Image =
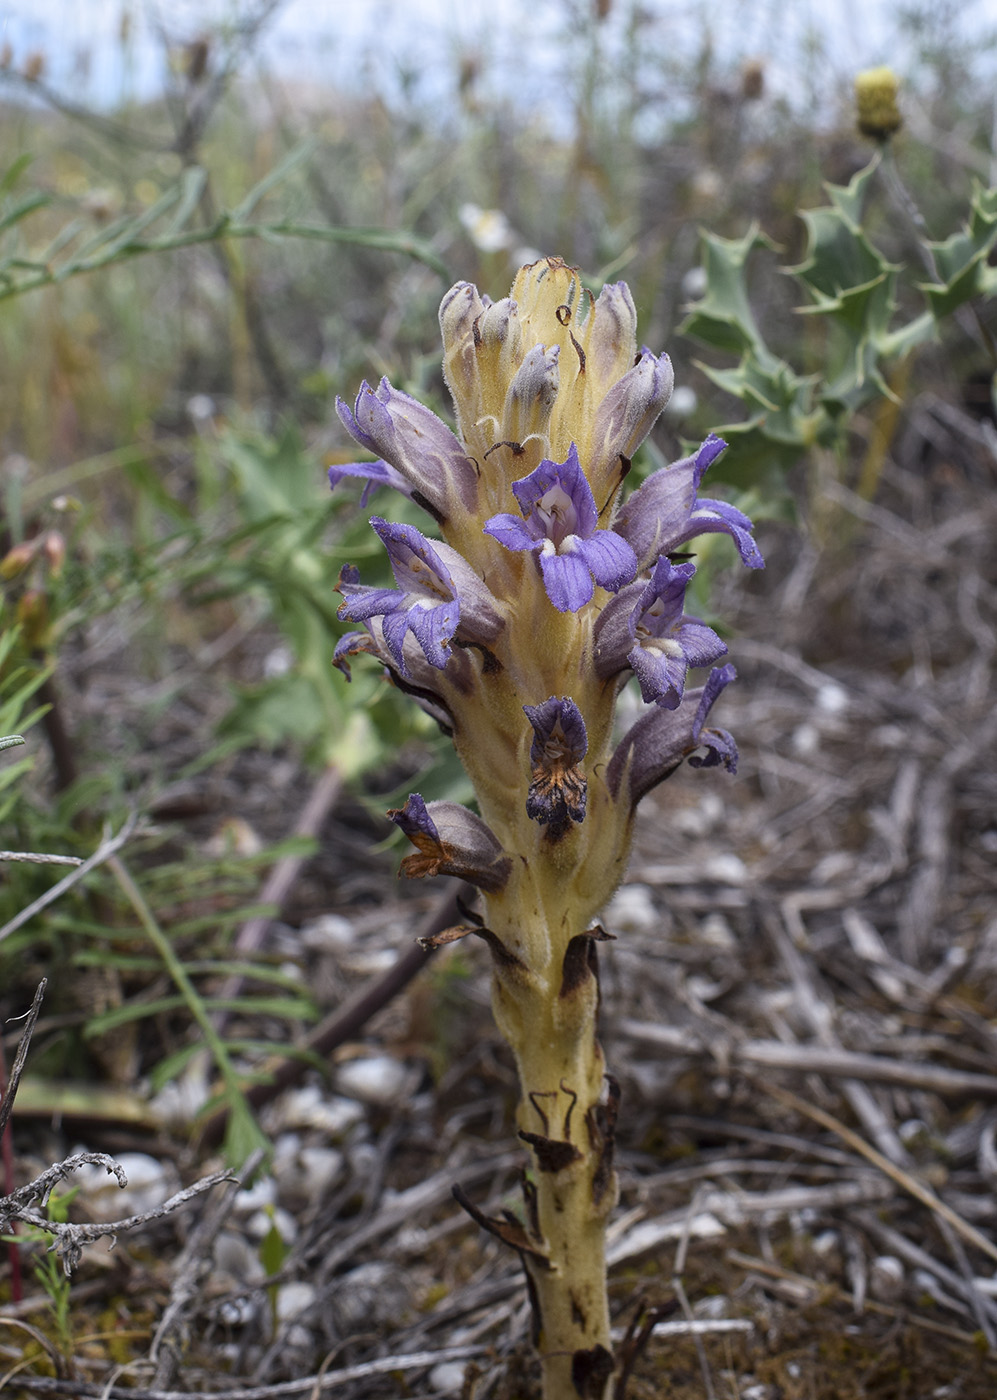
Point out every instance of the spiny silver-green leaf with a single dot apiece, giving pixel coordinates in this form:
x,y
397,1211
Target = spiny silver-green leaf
x,y
961,260
723,318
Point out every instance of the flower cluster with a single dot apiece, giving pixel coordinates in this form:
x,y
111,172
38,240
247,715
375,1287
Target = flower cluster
x,y
546,592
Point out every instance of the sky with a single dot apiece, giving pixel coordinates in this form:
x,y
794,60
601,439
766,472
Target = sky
x,y
384,44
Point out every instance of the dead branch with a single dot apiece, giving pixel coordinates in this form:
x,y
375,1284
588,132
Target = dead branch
x,y
69,1238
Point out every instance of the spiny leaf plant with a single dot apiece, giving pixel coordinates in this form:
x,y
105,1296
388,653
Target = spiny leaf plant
x,y
853,287
517,630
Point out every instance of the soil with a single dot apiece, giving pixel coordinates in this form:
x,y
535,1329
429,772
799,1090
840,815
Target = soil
x,y
801,1007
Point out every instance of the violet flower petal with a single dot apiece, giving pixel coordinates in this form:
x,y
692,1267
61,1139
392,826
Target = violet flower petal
x,y
352,644
433,629
668,643
609,558
560,524
426,601
373,474
558,497
664,513
513,532
654,747
567,580
558,786
451,840
423,450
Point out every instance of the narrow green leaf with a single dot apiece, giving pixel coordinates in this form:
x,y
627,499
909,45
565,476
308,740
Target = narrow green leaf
x,y
23,208
131,1011
192,184
14,172
300,153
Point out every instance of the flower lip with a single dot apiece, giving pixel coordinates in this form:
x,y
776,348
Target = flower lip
x,y
654,747
451,840
559,525
665,513
667,642
372,474
557,792
425,601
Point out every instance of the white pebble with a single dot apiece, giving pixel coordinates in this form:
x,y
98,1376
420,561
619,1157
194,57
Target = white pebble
x,y
329,933
716,932
727,868
832,699
258,1226
294,1298
148,1187
235,1256
178,1103
683,402
695,282
447,1378
380,1080
886,1278
237,1312
805,740
304,1172
826,1242
261,1194
632,910
712,1307
312,1107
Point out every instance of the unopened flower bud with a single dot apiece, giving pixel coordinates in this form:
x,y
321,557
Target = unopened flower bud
x,y
54,547
16,560
33,617
876,100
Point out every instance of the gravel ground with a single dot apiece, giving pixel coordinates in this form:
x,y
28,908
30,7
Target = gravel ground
x,y
801,1007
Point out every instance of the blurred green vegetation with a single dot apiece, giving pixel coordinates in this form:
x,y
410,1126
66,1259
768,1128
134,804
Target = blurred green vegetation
x,y
185,288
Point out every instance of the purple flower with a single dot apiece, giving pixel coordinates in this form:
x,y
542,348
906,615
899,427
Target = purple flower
x,y
665,513
352,643
425,601
415,446
373,475
451,840
559,525
719,745
654,747
667,642
557,786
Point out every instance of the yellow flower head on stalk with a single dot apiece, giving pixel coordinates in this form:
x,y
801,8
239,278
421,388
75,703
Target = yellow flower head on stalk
x,y
548,366
546,593
876,92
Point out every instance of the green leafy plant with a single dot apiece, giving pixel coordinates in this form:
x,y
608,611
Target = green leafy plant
x,y
853,288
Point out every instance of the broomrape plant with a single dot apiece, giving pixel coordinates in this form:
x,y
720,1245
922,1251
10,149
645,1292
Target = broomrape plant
x,y
517,630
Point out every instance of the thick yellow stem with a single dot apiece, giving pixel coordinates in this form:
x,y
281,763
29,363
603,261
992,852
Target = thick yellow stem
x,y
566,1117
